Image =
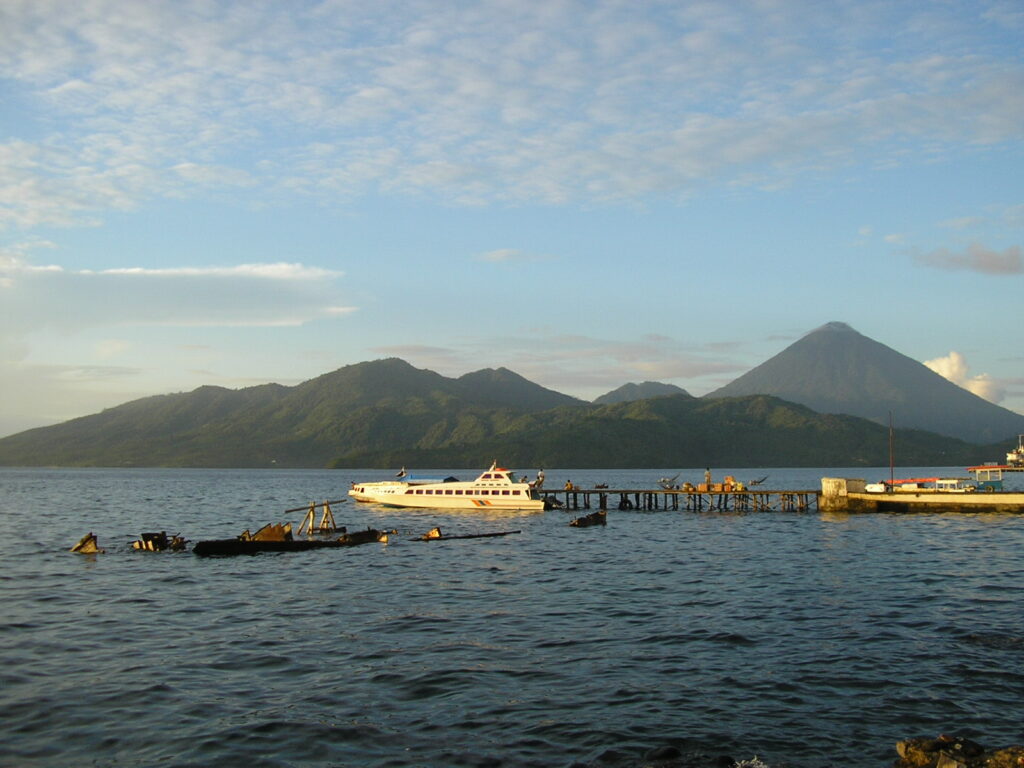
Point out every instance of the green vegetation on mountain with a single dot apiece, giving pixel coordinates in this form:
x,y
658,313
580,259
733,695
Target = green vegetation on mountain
x,y
675,431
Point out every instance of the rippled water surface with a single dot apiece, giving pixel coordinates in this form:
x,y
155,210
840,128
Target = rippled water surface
x,y
807,639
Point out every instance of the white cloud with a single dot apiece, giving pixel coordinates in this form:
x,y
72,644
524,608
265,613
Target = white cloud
x,y
340,311
962,222
111,348
976,258
499,255
496,101
508,256
1007,13
954,368
276,271
244,295
213,175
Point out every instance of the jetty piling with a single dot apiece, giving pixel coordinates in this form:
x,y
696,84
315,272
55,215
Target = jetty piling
x,y
697,500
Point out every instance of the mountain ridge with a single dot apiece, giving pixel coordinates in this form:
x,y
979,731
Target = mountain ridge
x,y
374,403
389,411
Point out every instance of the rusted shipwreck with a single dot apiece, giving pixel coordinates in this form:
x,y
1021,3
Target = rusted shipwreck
x,y
600,517
278,538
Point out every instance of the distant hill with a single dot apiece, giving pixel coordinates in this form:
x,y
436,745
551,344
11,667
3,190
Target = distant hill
x,y
369,405
834,369
629,393
502,388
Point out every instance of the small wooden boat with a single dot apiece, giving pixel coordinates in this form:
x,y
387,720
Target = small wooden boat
x,y
594,518
434,534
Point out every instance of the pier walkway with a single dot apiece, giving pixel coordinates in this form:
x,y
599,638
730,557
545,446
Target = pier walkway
x,y
687,501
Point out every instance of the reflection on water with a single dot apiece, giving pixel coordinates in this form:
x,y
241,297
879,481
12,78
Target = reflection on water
x,y
805,638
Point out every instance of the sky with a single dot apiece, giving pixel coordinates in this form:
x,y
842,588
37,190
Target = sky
x,y
207,192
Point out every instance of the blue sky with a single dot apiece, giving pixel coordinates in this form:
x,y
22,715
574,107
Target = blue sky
x,y
587,193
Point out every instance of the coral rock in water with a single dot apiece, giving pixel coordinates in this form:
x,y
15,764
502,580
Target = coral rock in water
x,y
955,752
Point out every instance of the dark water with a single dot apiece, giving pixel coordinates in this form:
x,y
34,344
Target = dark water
x,y
803,638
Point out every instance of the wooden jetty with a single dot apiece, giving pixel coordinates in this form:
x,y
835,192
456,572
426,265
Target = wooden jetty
x,y
717,499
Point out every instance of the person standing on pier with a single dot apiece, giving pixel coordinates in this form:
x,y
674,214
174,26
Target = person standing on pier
x,y
707,477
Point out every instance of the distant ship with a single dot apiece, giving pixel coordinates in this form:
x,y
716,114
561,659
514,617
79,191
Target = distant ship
x,y
1014,462
1015,458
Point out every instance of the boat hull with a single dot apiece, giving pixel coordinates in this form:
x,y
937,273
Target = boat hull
x,y
410,501
238,546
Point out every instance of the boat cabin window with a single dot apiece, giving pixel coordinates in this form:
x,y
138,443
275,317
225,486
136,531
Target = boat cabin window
x,y
487,476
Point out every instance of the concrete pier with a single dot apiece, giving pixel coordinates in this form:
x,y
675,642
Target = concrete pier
x,y
840,494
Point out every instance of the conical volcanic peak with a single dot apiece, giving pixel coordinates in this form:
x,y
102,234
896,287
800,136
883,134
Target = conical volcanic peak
x,y
835,369
835,325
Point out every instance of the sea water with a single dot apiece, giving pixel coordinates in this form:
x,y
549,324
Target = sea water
x,y
806,638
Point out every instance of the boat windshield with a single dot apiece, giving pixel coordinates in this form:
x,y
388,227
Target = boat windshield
x,y
423,480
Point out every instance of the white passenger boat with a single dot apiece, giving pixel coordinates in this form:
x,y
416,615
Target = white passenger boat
x,y
496,488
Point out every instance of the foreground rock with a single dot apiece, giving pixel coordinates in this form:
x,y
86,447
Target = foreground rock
x,y
955,752
672,757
